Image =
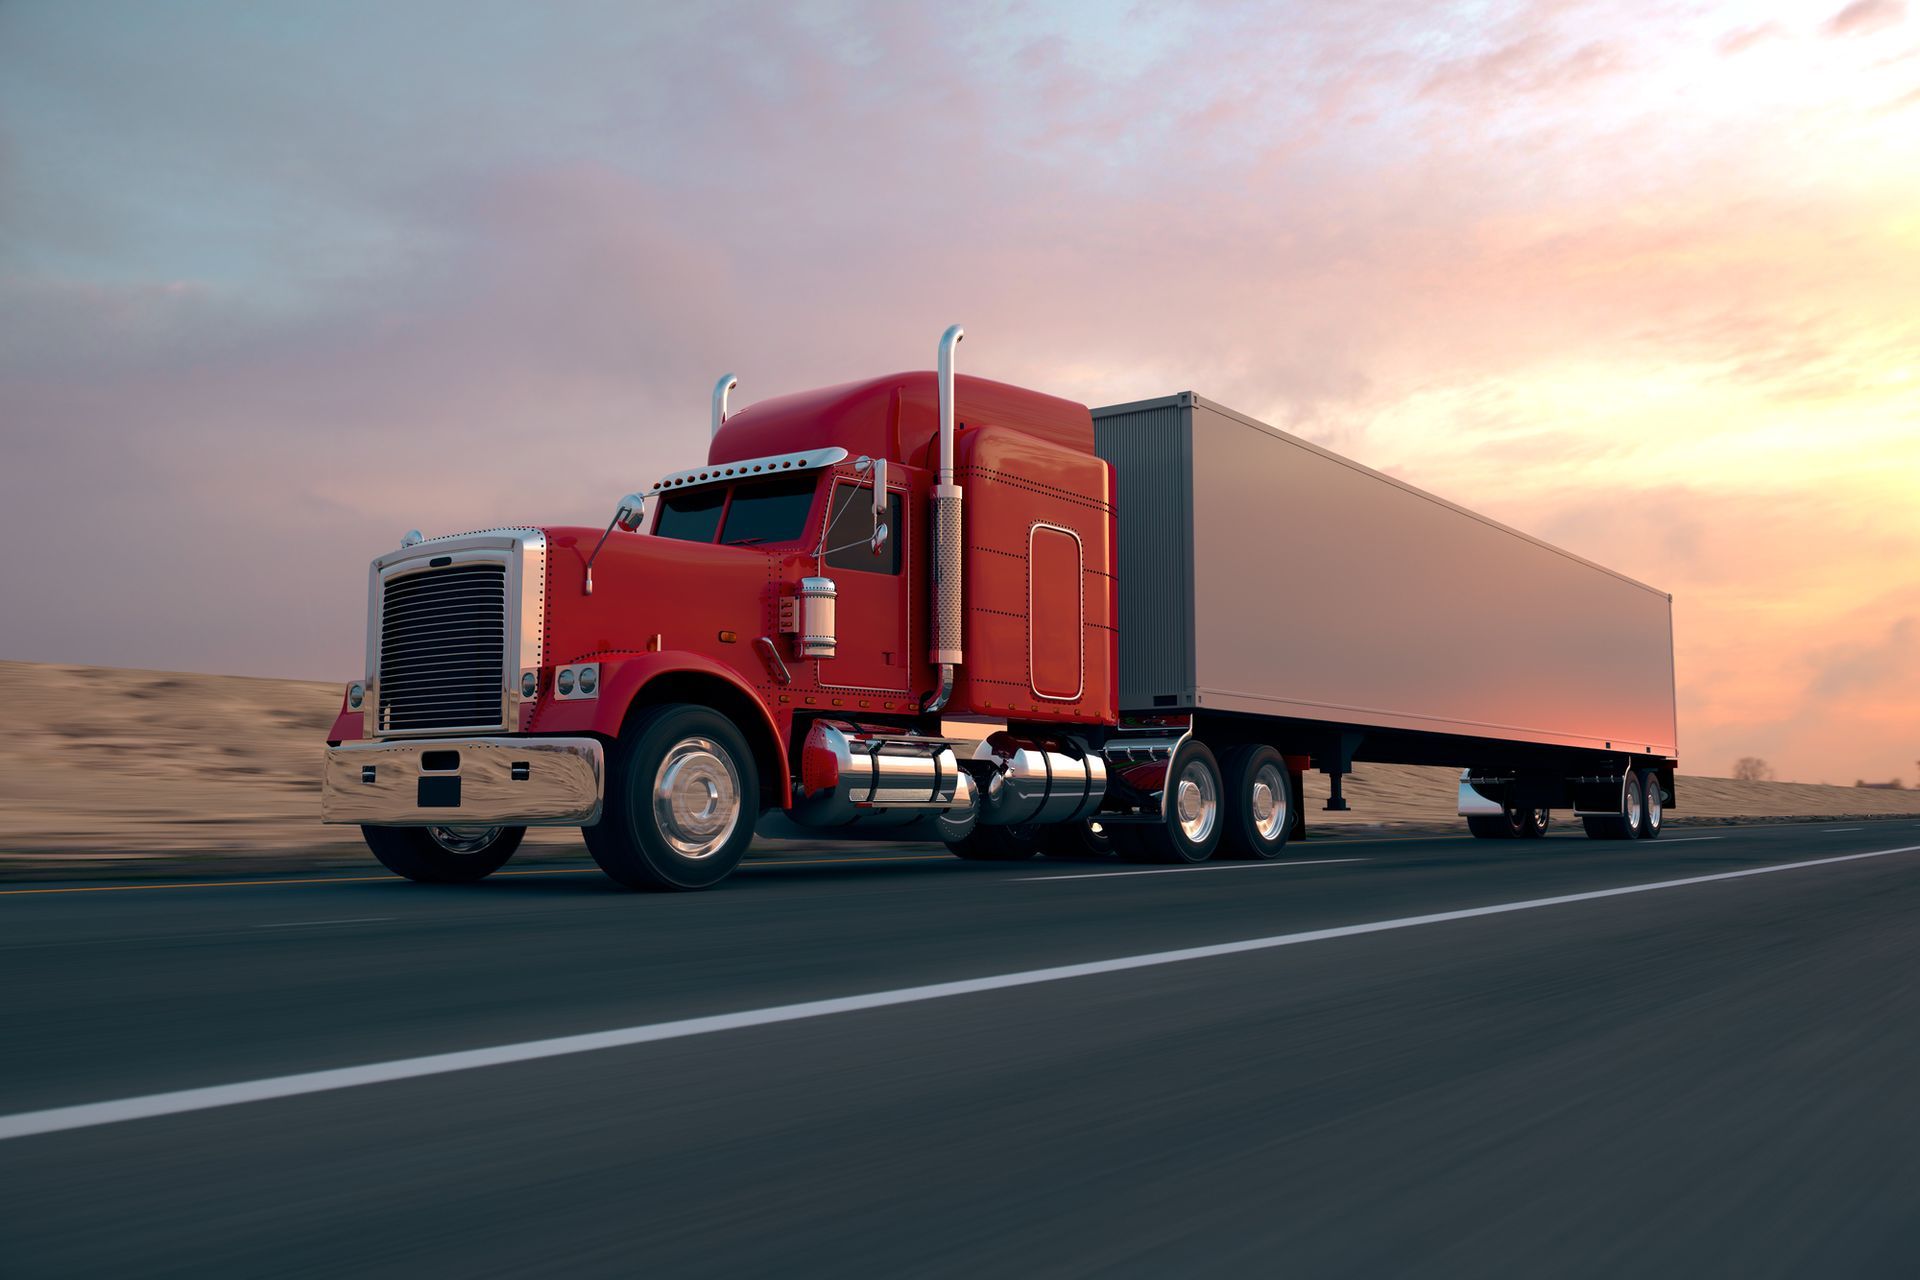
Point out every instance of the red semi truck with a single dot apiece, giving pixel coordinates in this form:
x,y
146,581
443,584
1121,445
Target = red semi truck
x,y
1146,622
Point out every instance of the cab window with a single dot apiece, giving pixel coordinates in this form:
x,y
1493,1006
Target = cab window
x,y
690,515
850,521
769,511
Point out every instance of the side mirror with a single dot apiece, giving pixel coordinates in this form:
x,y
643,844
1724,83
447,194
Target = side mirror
x,y
879,539
631,511
879,491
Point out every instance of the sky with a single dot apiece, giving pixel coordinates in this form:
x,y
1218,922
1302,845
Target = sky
x,y
279,282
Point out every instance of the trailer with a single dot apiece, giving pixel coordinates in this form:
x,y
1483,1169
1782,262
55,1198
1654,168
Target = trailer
x,y
1271,585
927,606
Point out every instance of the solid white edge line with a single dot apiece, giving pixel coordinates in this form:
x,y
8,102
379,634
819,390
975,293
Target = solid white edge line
x,y
1834,831
89,1115
1168,871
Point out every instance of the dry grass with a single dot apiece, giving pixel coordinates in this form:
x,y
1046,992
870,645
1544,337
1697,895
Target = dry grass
x,y
146,770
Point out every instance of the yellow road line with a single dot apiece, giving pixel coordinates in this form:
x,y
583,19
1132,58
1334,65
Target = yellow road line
x,y
553,871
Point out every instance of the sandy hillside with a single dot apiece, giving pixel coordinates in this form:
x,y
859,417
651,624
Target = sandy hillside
x,y
105,767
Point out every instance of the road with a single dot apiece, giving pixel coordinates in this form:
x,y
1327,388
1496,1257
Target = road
x,y
1716,1076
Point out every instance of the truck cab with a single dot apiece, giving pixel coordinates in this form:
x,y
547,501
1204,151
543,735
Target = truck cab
x,y
775,637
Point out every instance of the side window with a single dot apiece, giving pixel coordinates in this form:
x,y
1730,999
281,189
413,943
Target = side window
x,y
769,511
691,515
847,545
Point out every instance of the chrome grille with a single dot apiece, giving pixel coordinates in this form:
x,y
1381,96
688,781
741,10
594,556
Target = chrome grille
x,y
443,649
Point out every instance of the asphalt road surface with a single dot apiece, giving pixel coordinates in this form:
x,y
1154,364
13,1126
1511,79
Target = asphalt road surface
x,y
1344,1064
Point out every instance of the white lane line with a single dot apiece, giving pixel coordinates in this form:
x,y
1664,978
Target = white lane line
x,y
1689,840
308,924
88,1115
1169,871
1834,831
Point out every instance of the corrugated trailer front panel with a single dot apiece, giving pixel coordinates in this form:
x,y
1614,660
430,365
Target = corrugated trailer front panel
x,y
1149,448
1323,590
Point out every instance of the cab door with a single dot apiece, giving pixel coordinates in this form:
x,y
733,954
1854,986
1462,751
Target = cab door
x,y
872,612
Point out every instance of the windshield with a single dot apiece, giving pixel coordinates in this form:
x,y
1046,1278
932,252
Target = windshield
x,y
691,515
768,511
762,511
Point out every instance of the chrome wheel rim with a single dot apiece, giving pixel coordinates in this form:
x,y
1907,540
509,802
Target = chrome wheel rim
x,y
696,797
1653,806
464,840
1269,802
1196,802
1633,805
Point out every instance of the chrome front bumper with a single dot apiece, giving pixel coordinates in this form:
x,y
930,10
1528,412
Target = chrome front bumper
x,y
514,782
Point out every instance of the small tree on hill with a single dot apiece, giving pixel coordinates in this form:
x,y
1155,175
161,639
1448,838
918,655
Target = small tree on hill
x,y
1752,769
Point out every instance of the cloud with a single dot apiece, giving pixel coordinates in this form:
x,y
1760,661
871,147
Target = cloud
x,y
1545,266
1742,39
1863,17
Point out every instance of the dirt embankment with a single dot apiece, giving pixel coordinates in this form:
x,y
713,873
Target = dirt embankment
x,y
144,771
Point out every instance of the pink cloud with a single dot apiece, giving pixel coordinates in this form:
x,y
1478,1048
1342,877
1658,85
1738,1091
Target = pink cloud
x,y
1864,17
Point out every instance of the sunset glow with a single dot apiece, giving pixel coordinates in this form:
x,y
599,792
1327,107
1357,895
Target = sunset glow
x,y
282,282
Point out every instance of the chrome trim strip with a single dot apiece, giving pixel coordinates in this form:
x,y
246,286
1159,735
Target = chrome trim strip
x,y
806,460
563,783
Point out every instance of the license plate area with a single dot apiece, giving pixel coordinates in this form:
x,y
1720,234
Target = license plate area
x,y
441,792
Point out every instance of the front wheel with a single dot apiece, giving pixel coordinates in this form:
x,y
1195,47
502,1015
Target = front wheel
x,y
682,796
443,855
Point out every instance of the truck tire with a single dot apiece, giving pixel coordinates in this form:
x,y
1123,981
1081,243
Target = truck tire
x,y
1626,824
1653,809
443,855
1077,841
682,798
1014,843
1258,807
1195,818
1494,826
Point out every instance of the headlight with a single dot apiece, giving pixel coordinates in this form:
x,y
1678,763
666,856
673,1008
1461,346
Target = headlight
x,y
356,694
529,685
578,681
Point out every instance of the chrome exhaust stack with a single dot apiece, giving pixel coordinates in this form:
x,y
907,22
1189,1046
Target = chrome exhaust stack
x,y
727,383
947,546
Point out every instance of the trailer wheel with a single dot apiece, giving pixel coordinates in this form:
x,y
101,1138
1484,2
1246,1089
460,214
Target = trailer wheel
x,y
682,797
1626,824
1191,827
1014,843
1494,826
1259,803
1653,806
443,855
1077,841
